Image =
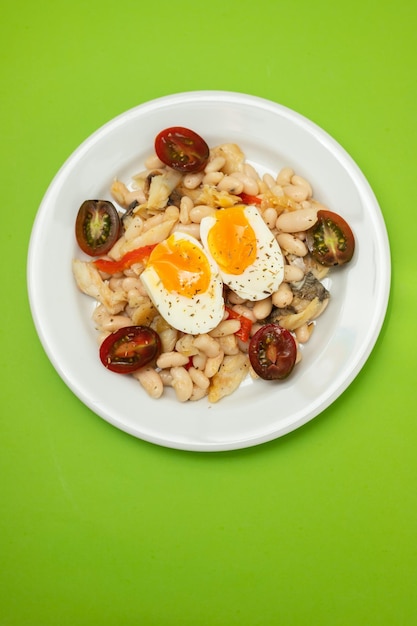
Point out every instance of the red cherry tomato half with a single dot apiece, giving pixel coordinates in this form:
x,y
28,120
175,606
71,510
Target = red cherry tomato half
x,y
97,227
128,349
272,352
182,149
330,240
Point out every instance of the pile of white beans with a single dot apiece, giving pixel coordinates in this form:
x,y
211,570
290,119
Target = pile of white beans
x,y
219,358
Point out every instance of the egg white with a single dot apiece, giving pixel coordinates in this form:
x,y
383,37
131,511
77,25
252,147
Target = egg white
x,y
265,274
200,313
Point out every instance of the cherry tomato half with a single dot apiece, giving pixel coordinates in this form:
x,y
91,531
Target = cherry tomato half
x,y
272,352
97,227
182,149
330,240
130,348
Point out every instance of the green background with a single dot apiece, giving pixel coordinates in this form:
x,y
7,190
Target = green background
x,y
315,528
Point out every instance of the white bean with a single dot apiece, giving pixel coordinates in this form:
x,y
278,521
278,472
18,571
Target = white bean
x,y
251,171
199,211
268,180
227,327
150,381
186,204
182,383
172,212
213,363
107,322
115,322
171,359
244,310
207,344
302,182
262,308
270,217
303,333
215,164
291,245
116,283
230,184
296,221
135,298
212,178
293,274
190,229
250,186
168,338
199,361
298,193
185,345
285,175
192,181
283,296
278,191
199,378
131,282
166,377
198,393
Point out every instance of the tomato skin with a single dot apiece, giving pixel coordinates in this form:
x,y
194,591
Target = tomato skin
x,y
97,227
182,149
128,349
272,352
130,258
331,240
250,200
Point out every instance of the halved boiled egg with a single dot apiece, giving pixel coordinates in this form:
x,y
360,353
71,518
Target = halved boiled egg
x,y
246,252
184,284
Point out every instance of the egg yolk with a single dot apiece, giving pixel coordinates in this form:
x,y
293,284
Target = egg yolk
x,y
232,240
181,266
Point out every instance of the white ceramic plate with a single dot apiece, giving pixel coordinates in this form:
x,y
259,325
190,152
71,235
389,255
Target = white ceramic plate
x,y
271,136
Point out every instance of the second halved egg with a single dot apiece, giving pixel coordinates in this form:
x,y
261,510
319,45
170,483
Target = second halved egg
x,y
246,252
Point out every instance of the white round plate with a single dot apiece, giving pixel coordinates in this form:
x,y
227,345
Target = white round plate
x,y
272,136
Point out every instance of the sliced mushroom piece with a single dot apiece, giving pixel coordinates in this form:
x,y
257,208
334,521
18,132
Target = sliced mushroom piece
x,y
311,288
314,308
310,299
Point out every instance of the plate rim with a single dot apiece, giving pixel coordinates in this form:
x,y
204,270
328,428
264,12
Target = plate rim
x,y
189,97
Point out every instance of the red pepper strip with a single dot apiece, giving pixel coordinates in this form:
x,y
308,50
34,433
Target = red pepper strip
x,y
245,324
248,199
127,260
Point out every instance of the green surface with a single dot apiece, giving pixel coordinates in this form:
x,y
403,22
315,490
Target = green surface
x,y
316,528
